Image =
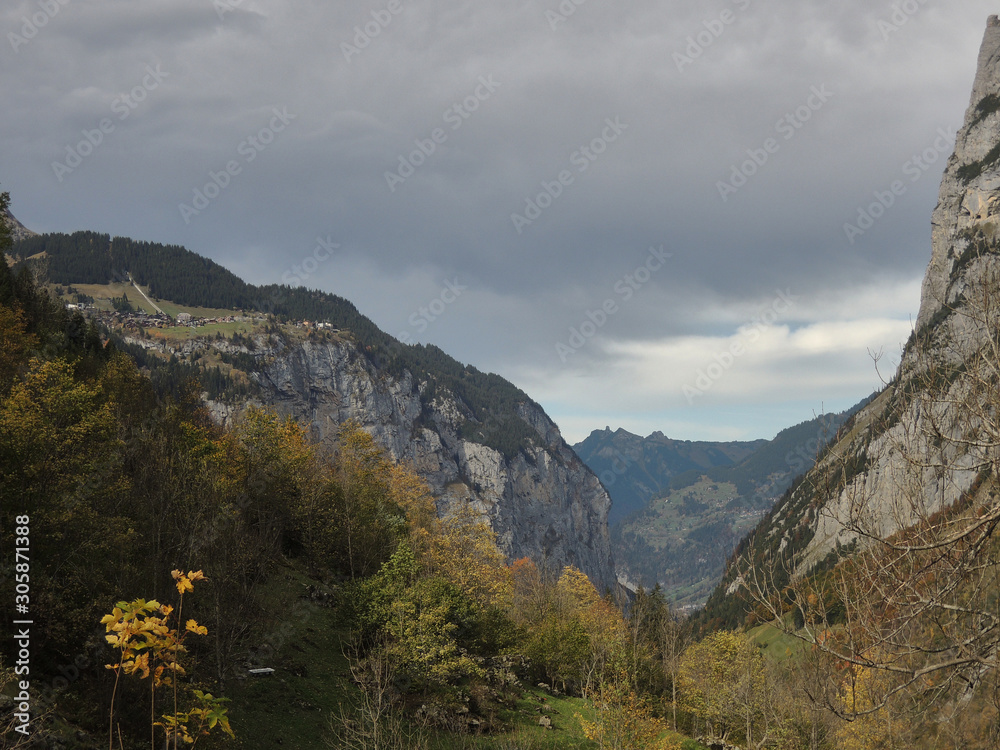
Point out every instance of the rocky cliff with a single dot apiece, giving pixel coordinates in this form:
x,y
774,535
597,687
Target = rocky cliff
x,y
476,437
930,438
17,230
543,502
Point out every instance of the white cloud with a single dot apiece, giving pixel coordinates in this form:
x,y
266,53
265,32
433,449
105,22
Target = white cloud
x,y
698,380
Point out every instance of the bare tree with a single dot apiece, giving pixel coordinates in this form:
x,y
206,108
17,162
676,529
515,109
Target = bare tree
x,y
375,720
909,500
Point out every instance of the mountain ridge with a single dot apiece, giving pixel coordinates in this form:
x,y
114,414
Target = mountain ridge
x,y
477,438
680,535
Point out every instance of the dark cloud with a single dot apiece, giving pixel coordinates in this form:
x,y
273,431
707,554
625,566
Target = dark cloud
x,y
370,84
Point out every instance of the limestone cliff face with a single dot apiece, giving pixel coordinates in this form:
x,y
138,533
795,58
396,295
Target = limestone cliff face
x,y
966,200
917,447
543,503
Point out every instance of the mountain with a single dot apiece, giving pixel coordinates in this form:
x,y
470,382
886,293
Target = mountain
x,y
687,505
475,437
915,470
17,230
635,470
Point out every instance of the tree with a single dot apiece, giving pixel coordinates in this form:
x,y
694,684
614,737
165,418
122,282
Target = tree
x,y
624,720
723,682
370,522
6,240
16,345
150,648
465,552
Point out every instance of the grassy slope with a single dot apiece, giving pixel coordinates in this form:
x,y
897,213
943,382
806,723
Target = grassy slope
x,y
102,294
778,645
293,707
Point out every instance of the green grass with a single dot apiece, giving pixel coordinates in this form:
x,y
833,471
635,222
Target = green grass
x,y
777,645
184,333
102,294
292,707
173,310
525,732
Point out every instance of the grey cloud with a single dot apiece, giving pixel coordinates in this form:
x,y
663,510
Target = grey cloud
x,y
656,184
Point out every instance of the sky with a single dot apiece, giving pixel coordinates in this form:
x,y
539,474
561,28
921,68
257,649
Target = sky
x,y
709,219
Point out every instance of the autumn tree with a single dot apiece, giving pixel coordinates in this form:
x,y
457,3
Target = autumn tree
x,y
58,446
723,682
370,522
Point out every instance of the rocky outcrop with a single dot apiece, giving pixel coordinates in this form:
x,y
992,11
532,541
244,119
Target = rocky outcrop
x,y
543,503
923,443
17,230
966,199
911,452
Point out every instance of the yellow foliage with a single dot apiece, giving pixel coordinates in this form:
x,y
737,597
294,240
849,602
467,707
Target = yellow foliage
x,y
465,552
141,633
602,621
873,728
722,679
185,582
624,721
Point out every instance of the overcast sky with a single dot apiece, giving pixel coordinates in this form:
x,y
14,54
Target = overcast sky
x,y
494,177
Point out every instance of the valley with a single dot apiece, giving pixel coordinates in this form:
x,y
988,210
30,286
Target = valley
x,y
242,515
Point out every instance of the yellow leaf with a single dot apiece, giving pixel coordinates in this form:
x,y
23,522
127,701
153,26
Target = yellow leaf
x,y
194,627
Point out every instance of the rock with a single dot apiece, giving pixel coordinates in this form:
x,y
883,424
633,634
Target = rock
x,y
544,503
899,423
17,230
545,722
974,141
